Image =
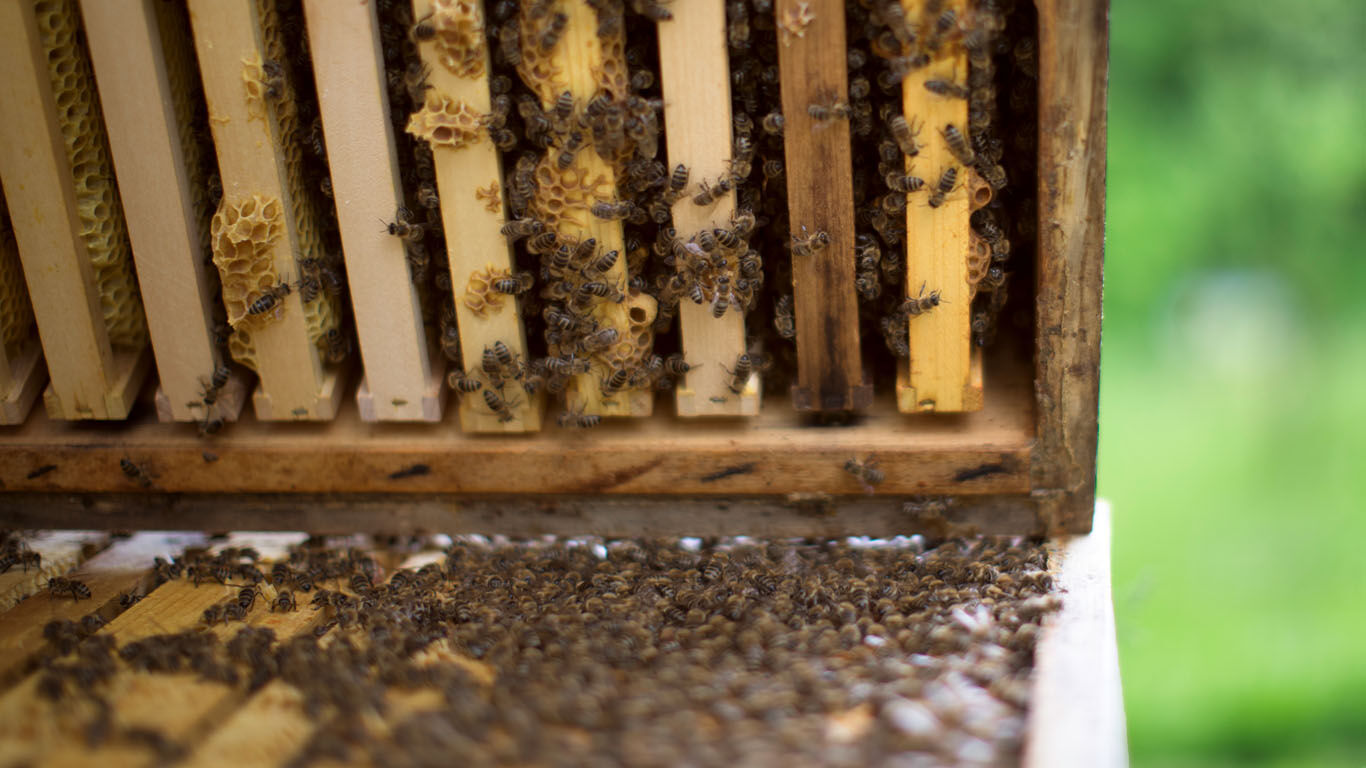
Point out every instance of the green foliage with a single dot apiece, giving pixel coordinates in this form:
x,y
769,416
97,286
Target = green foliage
x,y
1233,410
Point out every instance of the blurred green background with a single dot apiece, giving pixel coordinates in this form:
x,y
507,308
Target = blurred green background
x,y
1233,387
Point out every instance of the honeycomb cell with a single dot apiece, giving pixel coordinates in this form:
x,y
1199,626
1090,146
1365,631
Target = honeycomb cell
x,y
103,230
564,197
460,45
444,122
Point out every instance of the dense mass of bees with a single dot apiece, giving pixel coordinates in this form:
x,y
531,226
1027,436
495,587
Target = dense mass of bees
x,y
569,287
592,652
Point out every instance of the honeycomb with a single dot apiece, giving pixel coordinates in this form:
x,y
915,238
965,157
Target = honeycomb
x,y
564,197
444,122
323,314
254,83
16,312
979,261
479,294
490,197
243,233
459,27
97,199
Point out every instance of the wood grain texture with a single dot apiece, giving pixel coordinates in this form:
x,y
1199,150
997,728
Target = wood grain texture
x,y
1076,705
694,73
812,514
22,377
348,68
1073,65
776,453
937,239
293,383
820,196
144,140
474,240
123,567
89,380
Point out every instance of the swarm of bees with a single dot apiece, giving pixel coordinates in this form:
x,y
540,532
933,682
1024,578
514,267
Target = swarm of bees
x,y
633,641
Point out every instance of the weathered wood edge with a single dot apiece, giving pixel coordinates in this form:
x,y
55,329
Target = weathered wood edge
x,y
807,515
1073,63
1076,715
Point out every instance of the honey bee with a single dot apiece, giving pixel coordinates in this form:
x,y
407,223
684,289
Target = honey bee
x,y
212,615
450,342
422,31
427,196
415,80
866,471
707,194
463,384
600,290
739,375
904,134
553,31
514,285
942,24
499,406
824,113
613,383
958,145
919,305
545,242
994,175
76,590
613,210
720,303
338,346
519,228
403,227
806,246
567,151
570,365
272,298
135,473
217,380
564,107
772,123
676,366
899,182
868,285
598,340
651,9
603,264
947,181
947,88
274,79
578,419
783,320
284,601
677,181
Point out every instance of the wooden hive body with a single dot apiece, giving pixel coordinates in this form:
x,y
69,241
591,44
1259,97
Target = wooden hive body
x,y
1002,441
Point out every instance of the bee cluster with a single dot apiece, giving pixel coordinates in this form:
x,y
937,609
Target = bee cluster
x,y
585,651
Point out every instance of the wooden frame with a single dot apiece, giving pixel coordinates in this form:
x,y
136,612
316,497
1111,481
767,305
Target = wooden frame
x,y
1027,458
138,103
403,376
90,379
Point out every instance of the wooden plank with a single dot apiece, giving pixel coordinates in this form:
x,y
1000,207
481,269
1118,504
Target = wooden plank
x,y
21,380
269,728
820,194
158,203
1076,706
177,705
470,181
694,71
938,238
577,63
1073,67
348,66
60,551
798,514
775,453
90,379
294,385
123,567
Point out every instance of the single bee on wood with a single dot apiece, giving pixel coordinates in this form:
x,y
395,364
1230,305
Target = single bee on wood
x,y
919,305
135,473
739,375
72,588
284,601
499,406
948,88
805,246
462,383
901,182
217,380
947,181
904,134
958,145
866,471
612,210
519,228
403,227
824,113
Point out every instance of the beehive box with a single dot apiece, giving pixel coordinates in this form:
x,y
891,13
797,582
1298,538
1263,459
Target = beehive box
x,y
325,190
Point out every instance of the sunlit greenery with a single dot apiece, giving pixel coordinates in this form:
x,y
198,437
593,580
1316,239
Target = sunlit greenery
x,y
1233,392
